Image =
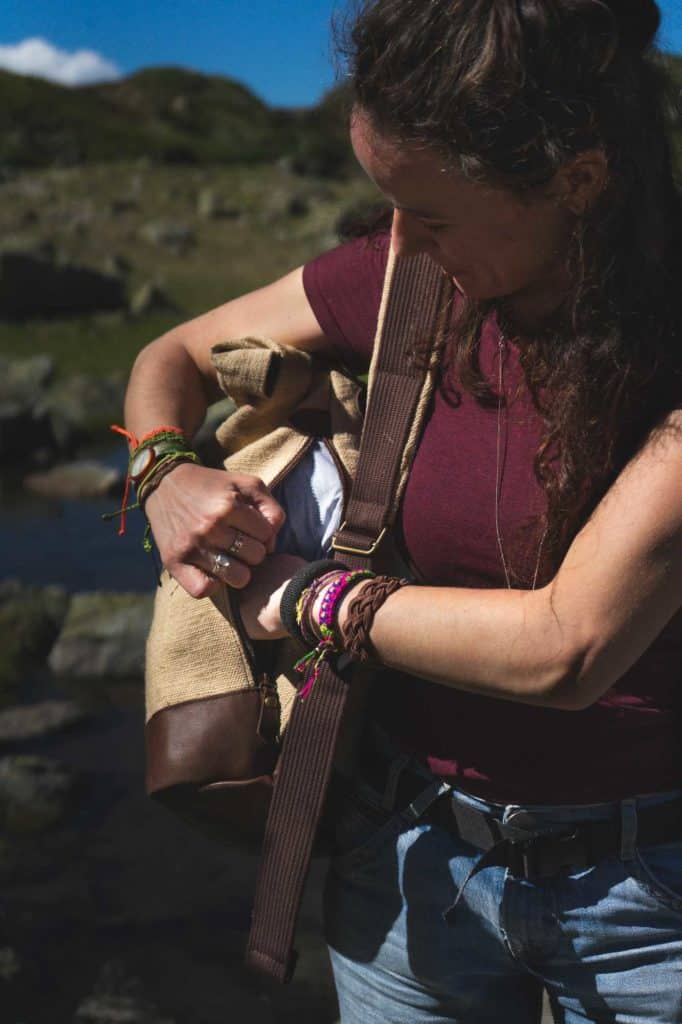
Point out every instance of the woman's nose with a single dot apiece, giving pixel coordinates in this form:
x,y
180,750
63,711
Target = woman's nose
x,y
408,236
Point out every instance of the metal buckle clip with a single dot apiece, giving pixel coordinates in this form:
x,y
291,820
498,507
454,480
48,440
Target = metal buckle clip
x,y
347,550
543,856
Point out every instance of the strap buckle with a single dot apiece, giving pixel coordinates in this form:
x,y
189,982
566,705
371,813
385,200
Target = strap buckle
x,y
543,856
346,549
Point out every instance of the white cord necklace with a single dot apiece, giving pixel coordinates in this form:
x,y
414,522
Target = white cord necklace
x,y
501,351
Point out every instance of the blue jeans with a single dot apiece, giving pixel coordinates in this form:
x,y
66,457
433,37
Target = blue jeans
x,y
606,942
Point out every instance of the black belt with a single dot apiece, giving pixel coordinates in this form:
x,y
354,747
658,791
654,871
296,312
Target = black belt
x,y
527,847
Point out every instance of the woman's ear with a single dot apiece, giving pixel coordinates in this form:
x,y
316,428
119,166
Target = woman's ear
x,y
579,183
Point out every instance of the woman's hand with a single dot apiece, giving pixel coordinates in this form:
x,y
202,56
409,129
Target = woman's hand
x,y
259,602
197,513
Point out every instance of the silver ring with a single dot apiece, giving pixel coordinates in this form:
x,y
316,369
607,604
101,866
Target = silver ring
x,y
220,561
237,544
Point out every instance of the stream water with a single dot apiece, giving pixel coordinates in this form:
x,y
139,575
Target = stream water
x,y
44,541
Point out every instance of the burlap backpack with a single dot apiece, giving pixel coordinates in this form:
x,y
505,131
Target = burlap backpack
x,y
228,744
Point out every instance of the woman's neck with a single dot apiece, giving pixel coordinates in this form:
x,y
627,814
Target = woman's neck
x,y
531,308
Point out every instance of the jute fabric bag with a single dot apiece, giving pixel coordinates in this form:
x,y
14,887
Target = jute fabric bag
x,y
201,668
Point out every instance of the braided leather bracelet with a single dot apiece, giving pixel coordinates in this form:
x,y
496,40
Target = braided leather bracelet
x,y
361,612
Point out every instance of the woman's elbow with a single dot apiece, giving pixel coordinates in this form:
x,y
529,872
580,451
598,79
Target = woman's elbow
x,y
573,684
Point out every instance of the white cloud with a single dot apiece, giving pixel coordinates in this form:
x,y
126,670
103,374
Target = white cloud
x,y
39,57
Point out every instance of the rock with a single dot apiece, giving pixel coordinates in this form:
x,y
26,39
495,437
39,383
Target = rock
x,y
150,298
282,203
74,480
10,964
169,235
21,379
79,406
103,634
117,264
118,999
34,792
30,620
33,285
30,722
124,204
210,206
24,425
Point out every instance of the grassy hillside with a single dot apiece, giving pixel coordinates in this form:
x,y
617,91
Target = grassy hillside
x,y
166,115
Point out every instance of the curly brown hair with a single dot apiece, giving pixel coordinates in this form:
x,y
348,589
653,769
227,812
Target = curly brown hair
x,y
511,90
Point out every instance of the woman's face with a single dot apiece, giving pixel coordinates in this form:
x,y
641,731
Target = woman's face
x,y
491,242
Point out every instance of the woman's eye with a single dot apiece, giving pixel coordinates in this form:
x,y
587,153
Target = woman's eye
x,y
437,226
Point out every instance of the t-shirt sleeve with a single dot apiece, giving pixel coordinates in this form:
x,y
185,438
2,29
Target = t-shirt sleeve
x,y
344,287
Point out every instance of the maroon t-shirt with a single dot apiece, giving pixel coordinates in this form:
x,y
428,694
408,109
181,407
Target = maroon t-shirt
x,y
626,743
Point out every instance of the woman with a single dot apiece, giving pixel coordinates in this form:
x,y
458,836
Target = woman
x,y
535,673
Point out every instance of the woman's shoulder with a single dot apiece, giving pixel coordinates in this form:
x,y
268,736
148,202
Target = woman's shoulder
x,y
344,287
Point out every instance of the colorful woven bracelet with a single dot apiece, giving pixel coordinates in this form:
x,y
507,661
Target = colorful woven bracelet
x,y
324,627
303,579
171,446
160,470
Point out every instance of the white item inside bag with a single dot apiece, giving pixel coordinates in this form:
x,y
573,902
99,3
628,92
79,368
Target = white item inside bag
x,y
312,497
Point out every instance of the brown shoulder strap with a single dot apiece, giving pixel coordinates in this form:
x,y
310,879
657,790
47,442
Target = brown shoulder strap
x,y
415,305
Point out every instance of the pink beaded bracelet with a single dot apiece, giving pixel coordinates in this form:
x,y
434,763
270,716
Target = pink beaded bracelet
x,y
325,626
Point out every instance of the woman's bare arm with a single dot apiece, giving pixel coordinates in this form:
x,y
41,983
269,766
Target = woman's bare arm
x,y
195,511
564,645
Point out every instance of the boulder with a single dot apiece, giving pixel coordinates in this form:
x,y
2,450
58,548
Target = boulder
x,y
80,405
34,792
24,424
103,635
118,998
34,285
36,720
211,206
30,620
169,235
75,480
10,964
150,298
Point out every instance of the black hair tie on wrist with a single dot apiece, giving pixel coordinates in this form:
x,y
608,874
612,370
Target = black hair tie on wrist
x,y
297,584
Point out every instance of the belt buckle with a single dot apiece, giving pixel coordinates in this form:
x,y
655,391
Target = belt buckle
x,y
543,856
522,861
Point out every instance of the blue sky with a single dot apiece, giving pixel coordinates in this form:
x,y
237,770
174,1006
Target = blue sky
x,y
280,48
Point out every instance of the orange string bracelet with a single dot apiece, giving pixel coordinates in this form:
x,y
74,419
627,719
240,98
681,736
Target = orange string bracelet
x,y
134,445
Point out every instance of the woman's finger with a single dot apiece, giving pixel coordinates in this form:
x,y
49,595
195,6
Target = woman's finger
x,y
225,568
236,544
244,517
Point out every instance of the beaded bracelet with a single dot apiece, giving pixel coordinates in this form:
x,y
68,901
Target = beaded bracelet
x,y
296,586
325,626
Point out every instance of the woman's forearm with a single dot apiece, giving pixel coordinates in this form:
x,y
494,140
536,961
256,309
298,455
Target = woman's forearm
x,y
503,643
166,388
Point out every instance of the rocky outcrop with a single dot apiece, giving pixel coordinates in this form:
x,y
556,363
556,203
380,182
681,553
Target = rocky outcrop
x,y
34,792
150,298
169,235
35,285
118,998
41,418
30,620
24,422
34,721
104,635
75,480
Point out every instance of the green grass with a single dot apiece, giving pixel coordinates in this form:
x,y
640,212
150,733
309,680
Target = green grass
x,y
72,208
